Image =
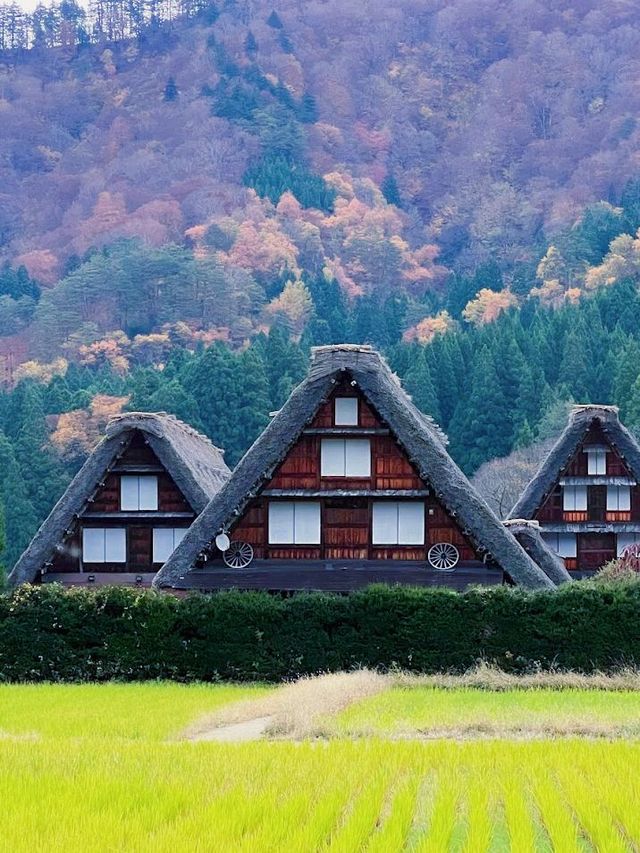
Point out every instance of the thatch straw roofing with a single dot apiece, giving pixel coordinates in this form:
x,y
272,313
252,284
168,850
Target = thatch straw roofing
x,y
420,437
581,419
195,464
528,534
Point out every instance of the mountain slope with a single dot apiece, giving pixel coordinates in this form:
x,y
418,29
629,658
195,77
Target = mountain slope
x,y
395,141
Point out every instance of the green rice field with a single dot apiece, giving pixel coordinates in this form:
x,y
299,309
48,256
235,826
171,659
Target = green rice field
x,y
428,711
102,768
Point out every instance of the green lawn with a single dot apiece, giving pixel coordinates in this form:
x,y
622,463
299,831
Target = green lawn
x,y
98,768
431,711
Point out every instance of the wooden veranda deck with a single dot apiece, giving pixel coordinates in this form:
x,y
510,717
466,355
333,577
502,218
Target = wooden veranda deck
x,y
336,575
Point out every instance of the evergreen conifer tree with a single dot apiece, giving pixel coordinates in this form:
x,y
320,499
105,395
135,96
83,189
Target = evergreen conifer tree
x,y
170,91
479,430
42,474
274,20
390,190
573,370
20,518
171,397
308,111
420,386
250,43
3,547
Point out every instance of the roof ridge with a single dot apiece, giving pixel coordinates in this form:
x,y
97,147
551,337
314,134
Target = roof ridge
x,y
121,420
578,408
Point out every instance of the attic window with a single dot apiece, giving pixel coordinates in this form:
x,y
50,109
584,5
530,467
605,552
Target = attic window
x,y
596,461
342,457
138,493
574,498
104,545
346,411
618,498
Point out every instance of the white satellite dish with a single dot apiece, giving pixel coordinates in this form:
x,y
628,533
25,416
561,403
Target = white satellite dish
x,y
222,542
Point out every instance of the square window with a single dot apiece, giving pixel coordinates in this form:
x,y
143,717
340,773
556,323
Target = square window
x,y
294,523
138,493
618,498
104,545
574,498
165,541
346,411
398,523
350,457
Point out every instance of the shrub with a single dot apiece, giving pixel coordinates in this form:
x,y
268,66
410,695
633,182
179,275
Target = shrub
x,y
47,633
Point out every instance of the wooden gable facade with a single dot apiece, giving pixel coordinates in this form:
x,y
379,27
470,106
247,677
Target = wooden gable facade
x,y
349,484
589,506
347,503
128,507
137,537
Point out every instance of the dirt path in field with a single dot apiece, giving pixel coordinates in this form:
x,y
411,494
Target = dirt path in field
x,y
237,732
292,711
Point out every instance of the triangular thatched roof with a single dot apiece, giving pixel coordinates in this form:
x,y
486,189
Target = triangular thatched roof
x,y
421,438
581,419
195,464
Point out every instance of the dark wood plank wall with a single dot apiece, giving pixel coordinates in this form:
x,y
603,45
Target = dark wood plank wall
x,y
552,509
137,457
390,468
346,522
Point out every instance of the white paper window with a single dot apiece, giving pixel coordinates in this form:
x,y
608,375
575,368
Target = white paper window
x,y
306,523
398,523
92,545
138,493
332,457
574,498
618,498
104,545
165,541
564,544
346,411
626,539
597,462
350,457
294,523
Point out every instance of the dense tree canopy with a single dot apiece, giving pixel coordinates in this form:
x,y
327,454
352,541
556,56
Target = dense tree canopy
x,y
493,388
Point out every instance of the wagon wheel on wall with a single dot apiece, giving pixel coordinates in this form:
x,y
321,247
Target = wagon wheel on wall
x,y
443,556
238,555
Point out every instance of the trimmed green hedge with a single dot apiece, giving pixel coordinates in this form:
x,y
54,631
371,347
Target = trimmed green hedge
x,y
47,633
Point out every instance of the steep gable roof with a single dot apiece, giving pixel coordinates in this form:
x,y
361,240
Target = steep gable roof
x,y
581,419
195,464
421,438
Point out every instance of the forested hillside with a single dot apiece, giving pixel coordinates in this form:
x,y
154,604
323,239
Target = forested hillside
x,y
429,150
191,195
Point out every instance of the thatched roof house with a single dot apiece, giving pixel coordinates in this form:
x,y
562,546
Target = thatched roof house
x,y
581,420
363,373
585,494
190,468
